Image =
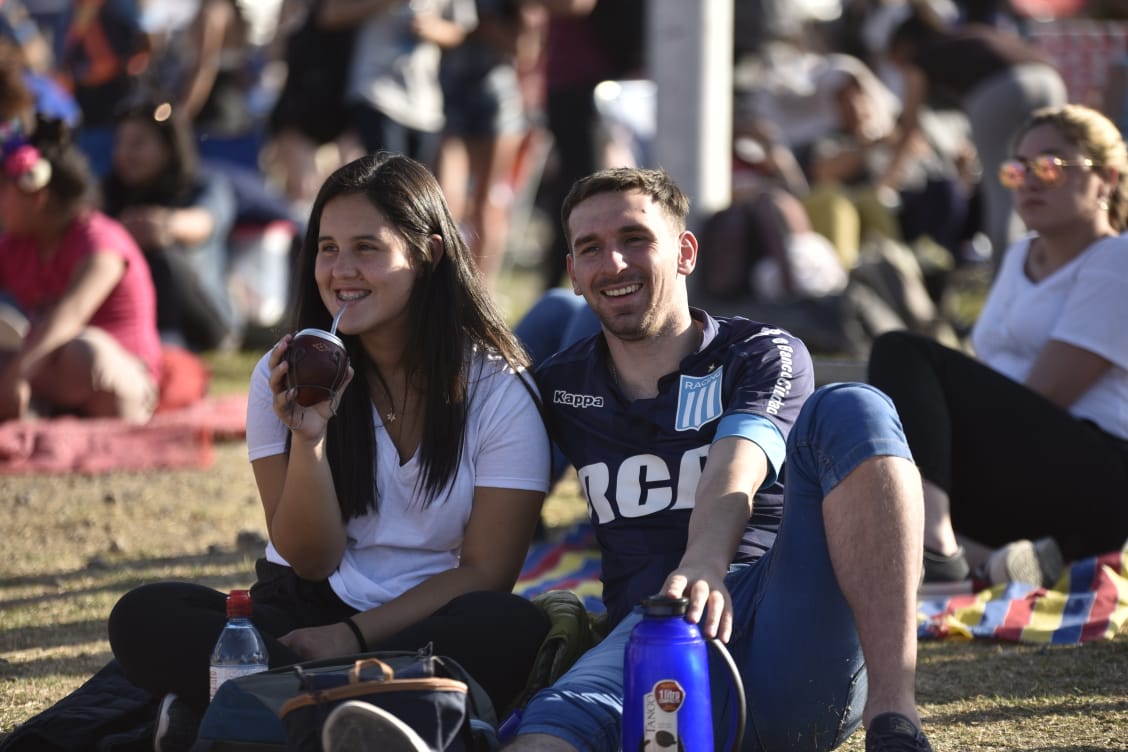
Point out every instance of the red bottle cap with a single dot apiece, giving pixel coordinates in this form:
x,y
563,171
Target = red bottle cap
x,y
239,604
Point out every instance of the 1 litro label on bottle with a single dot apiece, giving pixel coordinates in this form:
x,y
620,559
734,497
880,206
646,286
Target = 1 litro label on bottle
x,y
220,674
660,716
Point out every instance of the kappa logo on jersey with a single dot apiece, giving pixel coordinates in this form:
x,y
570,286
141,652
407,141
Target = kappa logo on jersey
x,y
699,400
561,397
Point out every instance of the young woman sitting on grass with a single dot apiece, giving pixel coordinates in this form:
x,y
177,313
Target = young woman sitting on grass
x,y
401,507
1024,448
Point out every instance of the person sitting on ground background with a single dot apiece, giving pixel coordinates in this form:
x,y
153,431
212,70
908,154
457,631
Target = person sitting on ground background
x,y
1028,441
181,216
846,204
685,428
79,319
770,251
400,508
994,76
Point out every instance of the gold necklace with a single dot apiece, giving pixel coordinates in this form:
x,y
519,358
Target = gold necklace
x,y
390,416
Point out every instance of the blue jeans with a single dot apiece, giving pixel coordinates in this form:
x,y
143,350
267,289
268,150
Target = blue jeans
x,y
378,132
794,639
560,318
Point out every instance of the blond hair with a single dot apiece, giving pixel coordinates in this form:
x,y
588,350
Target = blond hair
x,y
1100,140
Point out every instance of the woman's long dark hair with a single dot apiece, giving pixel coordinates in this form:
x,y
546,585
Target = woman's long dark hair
x,y
449,312
72,186
175,185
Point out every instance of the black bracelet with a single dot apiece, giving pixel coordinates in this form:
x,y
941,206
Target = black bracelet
x,y
359,635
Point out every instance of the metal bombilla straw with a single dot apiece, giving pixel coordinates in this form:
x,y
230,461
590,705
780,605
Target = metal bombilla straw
x,y
337,318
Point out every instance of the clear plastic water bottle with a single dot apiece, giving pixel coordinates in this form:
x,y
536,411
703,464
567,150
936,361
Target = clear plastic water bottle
x,y
239,650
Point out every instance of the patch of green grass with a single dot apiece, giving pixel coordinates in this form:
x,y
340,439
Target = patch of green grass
x,y
231,371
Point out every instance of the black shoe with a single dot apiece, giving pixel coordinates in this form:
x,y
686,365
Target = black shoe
x,y
177,726
940,568
893,732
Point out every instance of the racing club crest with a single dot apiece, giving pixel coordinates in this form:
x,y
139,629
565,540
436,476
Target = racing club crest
x,y
699,400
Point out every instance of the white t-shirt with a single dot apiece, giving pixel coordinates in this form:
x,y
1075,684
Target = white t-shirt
x,y
398,74
1084,304
405,542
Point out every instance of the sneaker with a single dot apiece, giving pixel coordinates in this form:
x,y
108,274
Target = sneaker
x,y
893,732
177,726
1038,563
356,726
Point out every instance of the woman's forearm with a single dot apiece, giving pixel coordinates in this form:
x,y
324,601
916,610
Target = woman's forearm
x,y
306,525
191,226
423,600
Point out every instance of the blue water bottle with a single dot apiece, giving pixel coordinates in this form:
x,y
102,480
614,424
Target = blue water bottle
x,y
667,702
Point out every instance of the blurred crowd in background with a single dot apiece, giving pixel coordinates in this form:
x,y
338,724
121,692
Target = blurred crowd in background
x,y
864,169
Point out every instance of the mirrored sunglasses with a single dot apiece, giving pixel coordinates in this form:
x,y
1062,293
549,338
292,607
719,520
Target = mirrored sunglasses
x,y
1048,169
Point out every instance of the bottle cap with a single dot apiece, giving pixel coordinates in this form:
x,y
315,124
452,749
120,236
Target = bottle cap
x,y
661,605
239,604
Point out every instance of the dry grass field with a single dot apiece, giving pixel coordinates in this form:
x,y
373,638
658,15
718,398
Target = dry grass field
x,y
72,545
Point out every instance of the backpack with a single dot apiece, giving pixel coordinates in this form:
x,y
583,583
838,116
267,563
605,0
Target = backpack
x,y
283,709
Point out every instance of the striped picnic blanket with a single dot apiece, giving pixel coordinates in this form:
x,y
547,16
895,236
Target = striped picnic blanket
x,y
568,563
1089,602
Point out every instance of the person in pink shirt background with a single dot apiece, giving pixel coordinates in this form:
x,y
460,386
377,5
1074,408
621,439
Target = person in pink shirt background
x,y
78,329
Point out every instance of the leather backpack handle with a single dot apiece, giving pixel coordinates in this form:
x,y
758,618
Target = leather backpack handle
x,y
358,667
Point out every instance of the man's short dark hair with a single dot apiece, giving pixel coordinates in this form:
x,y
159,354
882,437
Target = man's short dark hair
x,y
657,184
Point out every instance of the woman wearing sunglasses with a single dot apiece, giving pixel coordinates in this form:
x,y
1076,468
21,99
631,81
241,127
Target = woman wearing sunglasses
x,y
1024,448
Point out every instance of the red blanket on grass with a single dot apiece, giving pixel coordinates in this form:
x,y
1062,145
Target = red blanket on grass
x,y
179,438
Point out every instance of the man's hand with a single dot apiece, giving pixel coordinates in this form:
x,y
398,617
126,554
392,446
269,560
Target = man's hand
x,y
736,467
710,605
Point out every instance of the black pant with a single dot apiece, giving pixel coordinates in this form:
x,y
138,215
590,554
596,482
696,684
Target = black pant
x,y
1014,464
163,633
573,121
183,306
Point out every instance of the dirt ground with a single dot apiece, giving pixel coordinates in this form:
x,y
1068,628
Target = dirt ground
x,y
79,521
72,545
67,522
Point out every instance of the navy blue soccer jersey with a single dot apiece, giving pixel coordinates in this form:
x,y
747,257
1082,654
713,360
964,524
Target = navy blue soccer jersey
x,y
639,462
